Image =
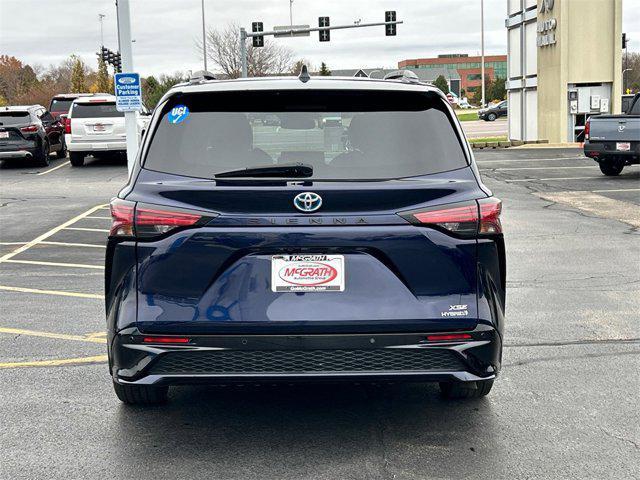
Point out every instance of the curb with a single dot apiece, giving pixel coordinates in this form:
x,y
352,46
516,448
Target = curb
x,y
521,144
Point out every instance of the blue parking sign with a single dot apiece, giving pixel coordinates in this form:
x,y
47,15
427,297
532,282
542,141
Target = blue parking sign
x,y
128,92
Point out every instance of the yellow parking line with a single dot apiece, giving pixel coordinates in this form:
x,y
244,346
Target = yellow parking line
x,y
52,292
91,338
54,168
56,363
67,244
56,264
82,229
46,235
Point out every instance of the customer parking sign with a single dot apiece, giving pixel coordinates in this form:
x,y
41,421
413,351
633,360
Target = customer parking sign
x,y
128,92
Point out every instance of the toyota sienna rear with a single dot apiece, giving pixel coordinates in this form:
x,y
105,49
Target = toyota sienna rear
x,y
350,240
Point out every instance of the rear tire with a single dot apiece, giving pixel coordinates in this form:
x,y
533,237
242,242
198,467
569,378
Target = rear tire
x,y
76,159
611,168
464,390
141,394
492,117
42,159
62,153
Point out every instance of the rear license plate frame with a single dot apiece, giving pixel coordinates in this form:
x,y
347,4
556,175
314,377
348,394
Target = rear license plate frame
x,y
307,273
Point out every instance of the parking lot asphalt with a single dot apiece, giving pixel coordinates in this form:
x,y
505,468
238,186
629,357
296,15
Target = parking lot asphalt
x,y
565,405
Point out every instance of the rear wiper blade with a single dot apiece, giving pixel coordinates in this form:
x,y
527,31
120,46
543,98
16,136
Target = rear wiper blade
x,y
292,170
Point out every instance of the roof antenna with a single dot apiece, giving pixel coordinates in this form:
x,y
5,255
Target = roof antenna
x,y
304,76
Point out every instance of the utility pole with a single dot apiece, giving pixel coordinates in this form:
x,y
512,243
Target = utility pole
x,y
100,18
296,31
124,42
482,48
204,38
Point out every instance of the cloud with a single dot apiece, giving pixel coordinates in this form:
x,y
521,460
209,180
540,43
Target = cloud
x,y
166,31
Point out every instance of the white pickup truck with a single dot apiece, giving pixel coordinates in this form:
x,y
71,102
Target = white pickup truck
x,y
94,126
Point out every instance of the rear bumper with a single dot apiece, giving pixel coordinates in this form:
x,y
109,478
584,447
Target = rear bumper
x,y
16,154
290,358
607,150
96,145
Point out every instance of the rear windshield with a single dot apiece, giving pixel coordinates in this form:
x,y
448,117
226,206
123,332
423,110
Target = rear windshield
x,y
342,135
14,118
60,105
95,110
635,110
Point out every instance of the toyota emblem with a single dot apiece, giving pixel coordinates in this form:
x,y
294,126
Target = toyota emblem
x,y
307,202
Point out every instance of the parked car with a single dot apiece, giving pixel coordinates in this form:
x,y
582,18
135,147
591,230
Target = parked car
x,y
489,114
95,126
464,104
614,140
30,132
61,103
627,101
242,254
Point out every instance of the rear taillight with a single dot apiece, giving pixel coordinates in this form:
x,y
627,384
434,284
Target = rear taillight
x,y
490,210
587,129
465,219
67,125
448,337
146,221
151,221
29,129
122,218
166,340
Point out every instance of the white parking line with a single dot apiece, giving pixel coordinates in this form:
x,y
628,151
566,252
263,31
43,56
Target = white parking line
x,y
56,264
82,229
617,190
54,168
61,293
535,168
480,162
101,218
547,179
67,244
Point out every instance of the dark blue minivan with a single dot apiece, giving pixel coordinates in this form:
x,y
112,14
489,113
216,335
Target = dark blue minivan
x,y
351,239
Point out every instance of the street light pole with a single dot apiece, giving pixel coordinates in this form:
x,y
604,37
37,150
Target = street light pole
x,y
482,48
204,38
100,17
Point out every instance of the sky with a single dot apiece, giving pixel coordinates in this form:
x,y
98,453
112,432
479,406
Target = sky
x,y
166,31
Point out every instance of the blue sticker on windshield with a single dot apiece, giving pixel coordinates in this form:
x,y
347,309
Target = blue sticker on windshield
x,y
178,114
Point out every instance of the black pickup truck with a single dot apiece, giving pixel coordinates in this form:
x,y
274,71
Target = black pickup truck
x,y
614,140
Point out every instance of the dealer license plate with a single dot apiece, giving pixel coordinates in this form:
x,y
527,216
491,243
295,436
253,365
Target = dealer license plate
x,y
307,273
623,146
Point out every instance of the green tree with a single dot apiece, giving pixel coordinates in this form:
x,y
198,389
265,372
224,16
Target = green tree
x,y
442,84
497,90
102,81
153,89
78,77
324,71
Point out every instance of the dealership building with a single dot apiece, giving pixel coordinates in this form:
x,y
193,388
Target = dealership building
x,y
468,69
564,65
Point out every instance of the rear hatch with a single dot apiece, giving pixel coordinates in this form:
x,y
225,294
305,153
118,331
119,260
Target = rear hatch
x,y
96,120
16,130
367,224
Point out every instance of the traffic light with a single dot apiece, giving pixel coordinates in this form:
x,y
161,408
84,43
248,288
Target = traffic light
x,y
390,16
624,41
325,35
104,53
117,62
258,41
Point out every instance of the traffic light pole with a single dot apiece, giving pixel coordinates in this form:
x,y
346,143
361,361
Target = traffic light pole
x,y
293,31
124,42
243,51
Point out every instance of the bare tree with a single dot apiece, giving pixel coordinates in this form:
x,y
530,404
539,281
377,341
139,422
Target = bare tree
x,y
223,49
